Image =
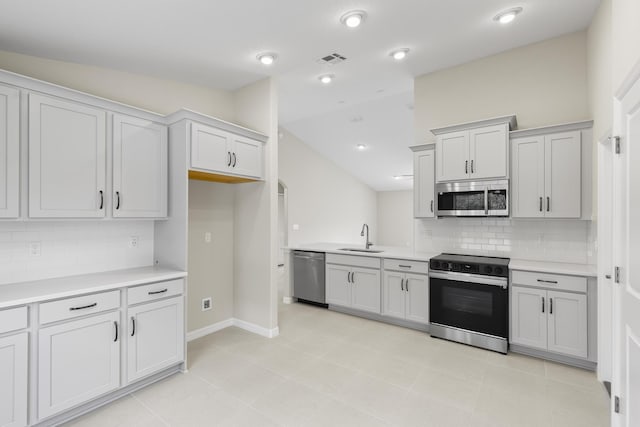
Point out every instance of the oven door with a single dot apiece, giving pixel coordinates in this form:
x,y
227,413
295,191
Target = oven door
x,y
467,302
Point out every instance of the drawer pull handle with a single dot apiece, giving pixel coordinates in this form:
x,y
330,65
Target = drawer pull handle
x,y
83,307
133,326
158,292
553,282
404,266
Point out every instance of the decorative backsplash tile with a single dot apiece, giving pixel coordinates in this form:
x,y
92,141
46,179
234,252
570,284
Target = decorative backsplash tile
x,y
34,250
541,240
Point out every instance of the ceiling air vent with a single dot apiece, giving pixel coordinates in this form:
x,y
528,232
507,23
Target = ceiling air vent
x,y
334,58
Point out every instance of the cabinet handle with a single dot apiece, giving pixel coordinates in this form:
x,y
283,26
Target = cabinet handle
x,y
234,160
540,204
101,200
471,166
432,206
353,277
466,166
402,284
548,203
133,326
115,326
550,305
158,292
406,285
229,158
83,307
348,277
117,200
543,304
553,282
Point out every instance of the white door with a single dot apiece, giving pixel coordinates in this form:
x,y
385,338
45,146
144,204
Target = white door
x,y
210,149
338,285
567,320
393,294
155,337
488,152
423,184
77,361
626,356
527,177
66,159
139,168
529,309
365,293
9,152
563,175
246,157
417,305
13,386
452,156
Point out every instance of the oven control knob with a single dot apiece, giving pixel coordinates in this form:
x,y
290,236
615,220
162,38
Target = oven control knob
x,y
498,270
488,269
435,264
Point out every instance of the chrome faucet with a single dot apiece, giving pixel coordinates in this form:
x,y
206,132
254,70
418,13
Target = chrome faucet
x,y
367,244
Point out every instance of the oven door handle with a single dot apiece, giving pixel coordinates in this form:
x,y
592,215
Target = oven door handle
x,y
470,278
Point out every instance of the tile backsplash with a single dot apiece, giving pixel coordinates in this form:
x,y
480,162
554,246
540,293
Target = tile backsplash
x,y
33,250
570,241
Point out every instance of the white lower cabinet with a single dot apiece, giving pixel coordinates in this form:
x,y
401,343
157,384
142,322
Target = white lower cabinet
x,y
353,286
77,361
13,380
365,289
406,296
549,320
155,338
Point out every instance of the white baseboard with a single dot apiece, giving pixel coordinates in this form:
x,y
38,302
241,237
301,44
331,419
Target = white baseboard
x,y
247,326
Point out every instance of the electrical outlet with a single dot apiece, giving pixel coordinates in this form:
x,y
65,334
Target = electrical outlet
x,y
207,304
207,237
35,248
134,241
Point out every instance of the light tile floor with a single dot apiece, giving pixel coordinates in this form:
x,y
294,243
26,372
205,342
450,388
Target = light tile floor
x,y
330,369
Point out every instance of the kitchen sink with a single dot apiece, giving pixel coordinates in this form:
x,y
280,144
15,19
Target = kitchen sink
x,y
371,251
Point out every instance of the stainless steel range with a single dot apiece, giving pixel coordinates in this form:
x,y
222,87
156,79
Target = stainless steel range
x,y
469,300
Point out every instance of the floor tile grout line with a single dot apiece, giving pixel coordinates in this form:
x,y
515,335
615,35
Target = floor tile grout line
x,y
154,413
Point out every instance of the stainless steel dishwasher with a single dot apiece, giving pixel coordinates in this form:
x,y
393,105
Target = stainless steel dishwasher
x,y
308,276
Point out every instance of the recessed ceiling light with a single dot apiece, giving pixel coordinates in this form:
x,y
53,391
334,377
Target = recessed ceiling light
x,y
326,78
353,18
361,147
267,58
399,54
508,15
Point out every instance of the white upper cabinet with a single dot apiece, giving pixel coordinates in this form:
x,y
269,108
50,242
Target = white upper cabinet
x,y
139,168
217,151
478,150
9,152
67,153
547,176
424,182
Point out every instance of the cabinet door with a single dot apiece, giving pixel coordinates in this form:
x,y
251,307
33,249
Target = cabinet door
x,y
210,148
527,177
9,152
529,317
66,159
246,157
77,361
156,337
423,184
13,387
417,305
563,175
393,294
488,152
139,168
452,156
568,323
365,289
338,285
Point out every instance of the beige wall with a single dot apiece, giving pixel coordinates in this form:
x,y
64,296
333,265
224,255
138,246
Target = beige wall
x,y
600,70
327,203
150,93
543,84
395,218
626,39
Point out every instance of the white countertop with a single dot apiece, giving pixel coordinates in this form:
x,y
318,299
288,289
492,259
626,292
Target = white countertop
x,y
587,270
387,251
61,287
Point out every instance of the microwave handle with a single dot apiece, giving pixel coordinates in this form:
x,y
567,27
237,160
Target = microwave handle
x,y
486,201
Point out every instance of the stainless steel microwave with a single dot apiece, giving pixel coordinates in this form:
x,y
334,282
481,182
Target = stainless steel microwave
x,y
473,198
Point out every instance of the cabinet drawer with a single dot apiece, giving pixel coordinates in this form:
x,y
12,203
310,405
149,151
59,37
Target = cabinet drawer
x,y
356,261
407,266
78,306
13,319
154,291
549,281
